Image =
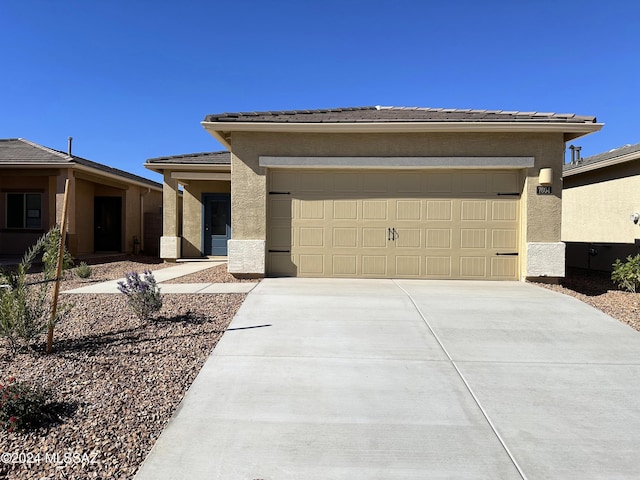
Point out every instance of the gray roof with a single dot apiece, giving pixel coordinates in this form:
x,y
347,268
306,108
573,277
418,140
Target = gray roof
x,y
602,157
217,158
19,150
397,114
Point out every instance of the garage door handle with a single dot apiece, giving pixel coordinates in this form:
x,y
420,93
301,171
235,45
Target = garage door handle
x,y
389,234
510,254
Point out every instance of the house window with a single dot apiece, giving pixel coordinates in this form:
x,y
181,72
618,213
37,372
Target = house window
x,y
24,210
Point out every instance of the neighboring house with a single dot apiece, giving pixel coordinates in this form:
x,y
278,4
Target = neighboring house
x,y
380,192
601,208
109,210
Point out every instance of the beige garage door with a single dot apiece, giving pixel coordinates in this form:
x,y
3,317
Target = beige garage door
x,y
390,224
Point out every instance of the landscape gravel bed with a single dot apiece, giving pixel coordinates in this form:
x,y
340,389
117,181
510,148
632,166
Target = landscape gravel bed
x,y
217,274
595,288
116,382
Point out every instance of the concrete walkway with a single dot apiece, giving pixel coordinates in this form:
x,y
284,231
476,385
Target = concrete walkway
x,y
165,275
399,379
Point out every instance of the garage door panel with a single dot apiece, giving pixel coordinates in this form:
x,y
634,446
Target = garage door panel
x,y
375,183
438,266
311,209
473,210
409,238
346,182
311,264
282,264
505,210
311,237
314,183
345,209
474,183
439,210
505,267
375,237
345,237
438,238
504,239
506,182
345,265
473,267
439,183
283,181
281,237
409,210
407,265
374,265
409,184
375,209
473,238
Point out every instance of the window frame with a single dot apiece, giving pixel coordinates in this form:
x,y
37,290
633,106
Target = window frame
x,y
27,213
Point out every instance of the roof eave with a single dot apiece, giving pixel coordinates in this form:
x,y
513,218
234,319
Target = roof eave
x,y
214,167
602,164
221,130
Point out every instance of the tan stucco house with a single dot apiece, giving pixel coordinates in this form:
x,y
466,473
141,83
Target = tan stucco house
x,y
378,192
601,208
109,210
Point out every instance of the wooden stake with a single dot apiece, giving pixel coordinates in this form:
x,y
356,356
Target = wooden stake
x,y
56,284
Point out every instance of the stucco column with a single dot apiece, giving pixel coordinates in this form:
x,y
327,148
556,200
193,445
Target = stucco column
x,y
72,236
170,242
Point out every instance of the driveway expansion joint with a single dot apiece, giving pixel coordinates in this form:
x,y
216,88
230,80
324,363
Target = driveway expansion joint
x,y
464,381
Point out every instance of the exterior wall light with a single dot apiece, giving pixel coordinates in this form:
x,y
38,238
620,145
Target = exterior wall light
x,y
546,176
635,217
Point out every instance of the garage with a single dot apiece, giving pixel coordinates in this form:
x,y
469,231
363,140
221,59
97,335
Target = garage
x,y
397,192
440,224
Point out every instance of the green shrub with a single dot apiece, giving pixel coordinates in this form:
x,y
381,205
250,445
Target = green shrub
x,y
627,274
143,294
83,270
23,406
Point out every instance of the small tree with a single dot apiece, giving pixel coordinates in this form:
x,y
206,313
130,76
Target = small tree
x,y
24,307
143,294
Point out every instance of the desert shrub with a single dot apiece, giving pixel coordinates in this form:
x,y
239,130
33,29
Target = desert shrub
x,y
25,308
143,294
627,274
83,270
23,406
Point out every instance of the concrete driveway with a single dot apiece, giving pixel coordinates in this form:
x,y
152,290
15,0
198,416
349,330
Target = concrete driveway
x,y
402,379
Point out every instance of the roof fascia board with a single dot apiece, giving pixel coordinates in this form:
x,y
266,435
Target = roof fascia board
x,y
396,162
191,175
101,173
206,167
602,164
217,128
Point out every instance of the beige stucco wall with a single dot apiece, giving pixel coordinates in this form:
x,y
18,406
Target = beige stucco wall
x,y
597,208
248,180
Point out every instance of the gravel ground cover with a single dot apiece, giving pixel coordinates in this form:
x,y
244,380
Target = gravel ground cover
x,y
217,274
116,382
596,289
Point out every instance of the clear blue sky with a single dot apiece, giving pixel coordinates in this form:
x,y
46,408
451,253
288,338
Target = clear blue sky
x,y
131,80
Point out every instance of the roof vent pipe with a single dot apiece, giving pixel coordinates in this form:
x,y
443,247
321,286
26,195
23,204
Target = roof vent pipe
x,y
69,146
578,159
573,154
